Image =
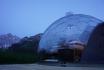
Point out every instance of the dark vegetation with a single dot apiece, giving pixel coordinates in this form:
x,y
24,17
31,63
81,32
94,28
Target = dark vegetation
x,y
8,57
23,52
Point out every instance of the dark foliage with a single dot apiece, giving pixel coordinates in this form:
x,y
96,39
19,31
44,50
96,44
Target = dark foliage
x,y
27,44
42,55
11,57
23,52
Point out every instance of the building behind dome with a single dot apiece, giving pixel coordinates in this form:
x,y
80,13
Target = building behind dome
x,y
74,27
94,52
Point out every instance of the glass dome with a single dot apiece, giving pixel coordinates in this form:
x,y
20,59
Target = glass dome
x,y
74,27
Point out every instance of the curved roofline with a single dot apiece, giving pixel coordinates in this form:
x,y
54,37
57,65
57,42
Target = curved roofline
x,y
69,16
54,23
61,21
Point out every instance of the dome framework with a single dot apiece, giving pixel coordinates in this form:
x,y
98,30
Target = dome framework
x,y
75,27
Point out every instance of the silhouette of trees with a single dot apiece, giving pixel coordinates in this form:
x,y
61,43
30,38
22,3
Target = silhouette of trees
x,y
27,44
23,52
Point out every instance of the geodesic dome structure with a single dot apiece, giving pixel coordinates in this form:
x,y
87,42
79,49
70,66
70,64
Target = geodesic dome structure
x,y
74,27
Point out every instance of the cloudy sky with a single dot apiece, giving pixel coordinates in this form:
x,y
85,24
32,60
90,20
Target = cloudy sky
x,y
30,17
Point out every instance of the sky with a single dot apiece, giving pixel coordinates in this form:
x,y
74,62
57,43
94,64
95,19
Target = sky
x,y
30,17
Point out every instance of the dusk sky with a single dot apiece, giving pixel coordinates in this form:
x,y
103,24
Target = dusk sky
x,y
30,17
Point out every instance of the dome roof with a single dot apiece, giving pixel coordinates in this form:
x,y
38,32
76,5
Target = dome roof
x,y
69,28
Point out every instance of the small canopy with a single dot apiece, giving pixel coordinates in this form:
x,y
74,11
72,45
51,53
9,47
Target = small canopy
x,y
76,42
76,45
80,47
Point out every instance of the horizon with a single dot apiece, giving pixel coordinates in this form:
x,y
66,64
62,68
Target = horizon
x,y
30,17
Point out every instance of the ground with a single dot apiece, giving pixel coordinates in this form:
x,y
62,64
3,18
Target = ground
x,y
48,67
